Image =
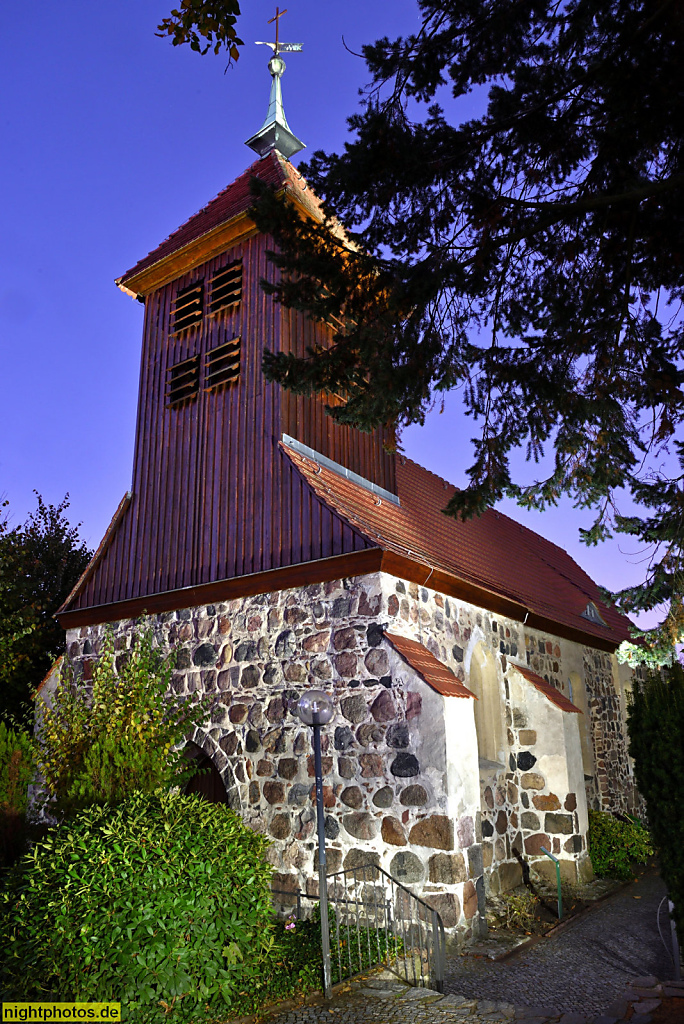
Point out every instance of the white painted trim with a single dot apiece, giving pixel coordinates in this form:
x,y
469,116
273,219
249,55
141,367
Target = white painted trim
x,y
476,637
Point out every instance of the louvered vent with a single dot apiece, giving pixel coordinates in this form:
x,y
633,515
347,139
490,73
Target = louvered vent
x,y
222,365
183,381
188,308
226,287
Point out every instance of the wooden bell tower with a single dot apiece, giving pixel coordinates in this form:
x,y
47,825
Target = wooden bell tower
x,y
213,497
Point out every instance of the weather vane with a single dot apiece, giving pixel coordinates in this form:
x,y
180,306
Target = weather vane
x,y
279,47
275,132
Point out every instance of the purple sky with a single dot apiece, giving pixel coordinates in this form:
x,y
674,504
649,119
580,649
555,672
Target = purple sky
x,y
111,138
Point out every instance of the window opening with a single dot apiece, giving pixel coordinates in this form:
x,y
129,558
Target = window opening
x,y
226,287
183,381
222,365
188,308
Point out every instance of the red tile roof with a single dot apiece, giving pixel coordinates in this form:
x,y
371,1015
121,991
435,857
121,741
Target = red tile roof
x,y
430,668
492,552
549,691
236,198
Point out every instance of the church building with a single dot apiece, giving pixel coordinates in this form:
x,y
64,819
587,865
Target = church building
x,y
479,705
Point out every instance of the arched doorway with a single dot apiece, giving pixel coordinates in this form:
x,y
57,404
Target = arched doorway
x,y
207,782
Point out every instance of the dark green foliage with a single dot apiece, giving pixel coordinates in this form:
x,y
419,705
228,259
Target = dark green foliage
x,y
122,734
17,770
299,951
354,948
163,901
655,719
205,25
39,564
614,845
530,256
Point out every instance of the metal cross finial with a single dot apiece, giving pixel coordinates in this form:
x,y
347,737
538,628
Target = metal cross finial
x,y
278,16
279,47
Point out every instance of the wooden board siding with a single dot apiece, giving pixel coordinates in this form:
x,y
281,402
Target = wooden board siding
x,y
306,419
213,496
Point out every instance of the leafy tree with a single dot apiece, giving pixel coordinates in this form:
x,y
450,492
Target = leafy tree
x,y
530,256
655,720
121,733
39,564
204,25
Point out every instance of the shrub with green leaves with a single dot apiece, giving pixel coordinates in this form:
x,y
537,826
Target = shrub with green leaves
x,y
17,770
614,845
296,962
122,734
162,903
655,720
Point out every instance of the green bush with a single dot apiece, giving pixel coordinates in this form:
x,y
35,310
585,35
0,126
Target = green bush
x,y
295,965
162,903
17,770
655,719
614,845
99,744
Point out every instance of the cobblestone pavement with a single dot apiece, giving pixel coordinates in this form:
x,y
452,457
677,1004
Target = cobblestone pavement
x,y
593,971
586,965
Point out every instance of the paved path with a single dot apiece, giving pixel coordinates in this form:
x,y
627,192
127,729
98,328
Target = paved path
x,y
586,965
578,976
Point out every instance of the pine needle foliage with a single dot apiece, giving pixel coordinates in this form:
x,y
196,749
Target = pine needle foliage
x,y
98,743
529,256
655,720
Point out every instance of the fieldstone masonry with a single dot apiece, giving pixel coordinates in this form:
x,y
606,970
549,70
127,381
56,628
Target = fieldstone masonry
x,y
613,781
404,787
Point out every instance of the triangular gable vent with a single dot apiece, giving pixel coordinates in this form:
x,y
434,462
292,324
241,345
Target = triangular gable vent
x,y
592,613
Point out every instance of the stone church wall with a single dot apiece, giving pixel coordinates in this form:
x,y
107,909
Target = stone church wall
x,y
613,780
403,787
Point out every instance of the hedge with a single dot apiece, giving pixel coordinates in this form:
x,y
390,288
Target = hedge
x,y
162,903
655,719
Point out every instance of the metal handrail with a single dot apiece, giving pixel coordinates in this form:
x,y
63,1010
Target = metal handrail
x,y
394,927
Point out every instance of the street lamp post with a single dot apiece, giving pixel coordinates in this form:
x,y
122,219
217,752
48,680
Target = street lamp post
x,y
315,708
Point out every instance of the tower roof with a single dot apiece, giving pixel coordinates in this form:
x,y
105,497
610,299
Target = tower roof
x,y
234,200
